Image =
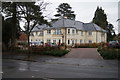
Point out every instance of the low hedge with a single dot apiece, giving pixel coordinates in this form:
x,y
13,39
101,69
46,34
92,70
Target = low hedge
x,y
56,52
87,45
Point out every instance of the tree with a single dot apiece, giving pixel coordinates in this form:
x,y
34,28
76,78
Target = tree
x,y
64,9
9,8
111,33
32,13
100,18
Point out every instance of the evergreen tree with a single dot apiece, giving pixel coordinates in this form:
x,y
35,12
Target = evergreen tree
x,y
9,8
64,9
100,18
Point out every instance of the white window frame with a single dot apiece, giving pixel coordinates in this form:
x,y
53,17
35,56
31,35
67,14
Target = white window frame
x,y
81,33
49,31
48,41
54,41
68,31
73,31
80,41
90,41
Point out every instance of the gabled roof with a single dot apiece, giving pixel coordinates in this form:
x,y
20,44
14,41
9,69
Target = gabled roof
x,y
63,22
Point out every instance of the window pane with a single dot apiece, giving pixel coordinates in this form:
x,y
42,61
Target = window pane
x,y
68,31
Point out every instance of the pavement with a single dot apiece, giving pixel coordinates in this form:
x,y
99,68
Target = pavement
x,y
83,53
14,66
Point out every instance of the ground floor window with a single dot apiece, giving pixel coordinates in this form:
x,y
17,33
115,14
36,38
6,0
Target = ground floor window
x,y
48,41
80,41
59,41
54,41
68,41
90,41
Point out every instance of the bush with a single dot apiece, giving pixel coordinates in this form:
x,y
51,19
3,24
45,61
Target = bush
x,y
109,53
92,45
56,52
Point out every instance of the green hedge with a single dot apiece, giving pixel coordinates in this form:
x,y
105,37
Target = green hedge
x,y
53,52
56,52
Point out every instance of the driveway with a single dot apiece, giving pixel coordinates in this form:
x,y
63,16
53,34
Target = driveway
x,y
83,53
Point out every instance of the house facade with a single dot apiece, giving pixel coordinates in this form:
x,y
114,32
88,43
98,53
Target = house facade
x,y
69,32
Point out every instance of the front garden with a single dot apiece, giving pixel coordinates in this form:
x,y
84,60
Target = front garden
x,y
109,53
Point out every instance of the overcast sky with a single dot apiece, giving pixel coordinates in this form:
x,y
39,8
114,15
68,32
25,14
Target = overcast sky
x,y
85,10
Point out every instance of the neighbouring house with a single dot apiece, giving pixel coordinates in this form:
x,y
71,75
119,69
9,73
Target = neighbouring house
x,y
69,32
21,42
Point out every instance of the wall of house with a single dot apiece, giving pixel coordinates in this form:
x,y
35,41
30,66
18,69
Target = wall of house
x,y
36,37
78,36
52,36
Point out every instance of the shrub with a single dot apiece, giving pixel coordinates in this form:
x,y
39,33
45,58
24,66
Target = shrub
x,y
109,53
55,52
86,45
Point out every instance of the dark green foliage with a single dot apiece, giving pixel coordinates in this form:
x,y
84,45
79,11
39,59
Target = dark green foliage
x,y
109,53
100,18
7,31
64,9
56,52
11,23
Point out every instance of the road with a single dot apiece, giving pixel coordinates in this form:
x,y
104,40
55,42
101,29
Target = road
x,y
79,63
60,68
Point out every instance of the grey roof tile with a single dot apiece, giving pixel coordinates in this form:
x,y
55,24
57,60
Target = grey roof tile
x,y
63,22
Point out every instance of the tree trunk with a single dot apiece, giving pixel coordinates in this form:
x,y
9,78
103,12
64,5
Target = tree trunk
x,y
28,46
13,40
28,34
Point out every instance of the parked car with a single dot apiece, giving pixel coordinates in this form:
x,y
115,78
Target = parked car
x,y
114,44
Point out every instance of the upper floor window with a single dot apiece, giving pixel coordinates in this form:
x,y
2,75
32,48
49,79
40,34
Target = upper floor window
x,y
89,33
73,31
41,33
81,33
57,31
36,33
48,31
103,34
68,31
31,34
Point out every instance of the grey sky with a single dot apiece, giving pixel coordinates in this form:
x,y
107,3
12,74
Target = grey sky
x,y
84,10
